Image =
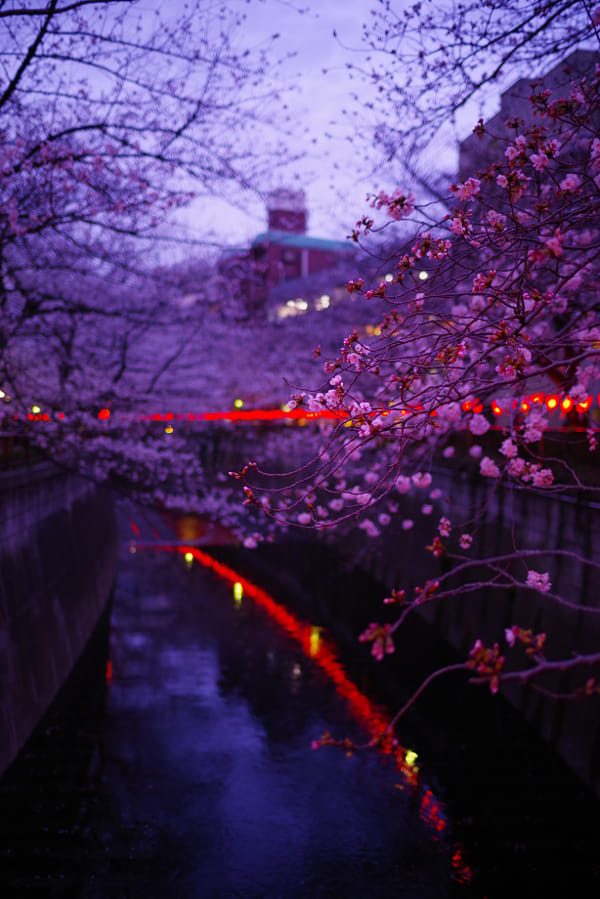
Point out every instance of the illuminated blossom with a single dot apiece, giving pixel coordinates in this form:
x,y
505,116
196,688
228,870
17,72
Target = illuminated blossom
x,y
467,189
508,448
369,528
380,635
444,527
489,468
538,580
540,161
402,484
421,479
571,182
542,477
479,425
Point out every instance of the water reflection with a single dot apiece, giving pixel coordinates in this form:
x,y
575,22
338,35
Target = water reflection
x,y
208,758
197,778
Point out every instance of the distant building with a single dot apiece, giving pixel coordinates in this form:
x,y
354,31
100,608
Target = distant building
x,y
476,153
283,253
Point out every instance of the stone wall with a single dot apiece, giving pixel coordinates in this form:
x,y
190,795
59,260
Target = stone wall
x,y
58,563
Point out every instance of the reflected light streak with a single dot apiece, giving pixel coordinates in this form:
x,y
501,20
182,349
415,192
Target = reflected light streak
x,y
372,719
375,721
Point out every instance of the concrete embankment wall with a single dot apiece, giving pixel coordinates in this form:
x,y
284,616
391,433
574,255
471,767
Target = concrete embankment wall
x,y
58,564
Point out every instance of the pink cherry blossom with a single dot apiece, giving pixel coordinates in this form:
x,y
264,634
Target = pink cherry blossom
x,y
539,581
489,468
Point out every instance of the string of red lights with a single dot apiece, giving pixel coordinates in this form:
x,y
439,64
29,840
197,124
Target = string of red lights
x,y
553,403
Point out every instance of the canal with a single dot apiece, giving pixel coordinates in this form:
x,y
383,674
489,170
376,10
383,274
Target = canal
x,y
178,763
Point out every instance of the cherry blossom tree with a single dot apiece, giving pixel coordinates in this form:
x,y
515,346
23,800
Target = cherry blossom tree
x,y
434,68
473,364
113,115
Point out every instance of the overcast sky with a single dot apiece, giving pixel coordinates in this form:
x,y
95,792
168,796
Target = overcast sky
x,y
334,172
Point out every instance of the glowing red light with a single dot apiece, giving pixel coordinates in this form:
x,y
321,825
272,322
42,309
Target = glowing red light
x,y
496,409
525,407
584,405
104,414
551,402
108,676
566,403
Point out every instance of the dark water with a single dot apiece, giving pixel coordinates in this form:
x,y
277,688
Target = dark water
x,y
186,770
192,775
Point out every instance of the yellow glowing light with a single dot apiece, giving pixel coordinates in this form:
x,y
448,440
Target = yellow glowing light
x,y
36,410
189,557
2,394
377,331
389,278
285,408
423,276
410,758
238,591
238,404
302,304
315,640
169,429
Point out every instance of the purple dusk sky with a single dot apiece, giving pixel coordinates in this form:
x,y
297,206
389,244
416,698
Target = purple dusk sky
x,y
335,171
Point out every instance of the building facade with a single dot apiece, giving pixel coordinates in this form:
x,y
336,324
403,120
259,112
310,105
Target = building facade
x,y
282,253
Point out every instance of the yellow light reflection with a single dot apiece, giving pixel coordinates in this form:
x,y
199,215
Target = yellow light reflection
x,y
238,404
36,410
238,592
315,640
189,557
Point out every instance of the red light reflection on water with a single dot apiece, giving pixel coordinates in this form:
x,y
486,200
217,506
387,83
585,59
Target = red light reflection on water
x,y
372,719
